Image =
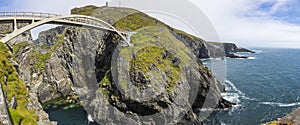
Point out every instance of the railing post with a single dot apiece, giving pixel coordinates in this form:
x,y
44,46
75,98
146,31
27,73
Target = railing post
x,y
15,21
15,24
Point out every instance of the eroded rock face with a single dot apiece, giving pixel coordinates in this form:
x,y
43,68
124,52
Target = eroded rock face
x,y
292,118
198,46
218,50
77,62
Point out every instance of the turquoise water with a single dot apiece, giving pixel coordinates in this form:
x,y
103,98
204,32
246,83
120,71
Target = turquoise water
x,y
266,87
74,116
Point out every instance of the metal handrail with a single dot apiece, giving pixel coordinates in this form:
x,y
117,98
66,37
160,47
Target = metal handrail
x,y
28,14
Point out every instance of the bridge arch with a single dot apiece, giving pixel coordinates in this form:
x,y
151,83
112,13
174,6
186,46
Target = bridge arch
x,y
77,20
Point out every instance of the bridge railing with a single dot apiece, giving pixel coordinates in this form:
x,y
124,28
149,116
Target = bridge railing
x,y
27,14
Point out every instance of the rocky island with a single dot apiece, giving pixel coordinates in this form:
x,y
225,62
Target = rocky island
x,y
75,66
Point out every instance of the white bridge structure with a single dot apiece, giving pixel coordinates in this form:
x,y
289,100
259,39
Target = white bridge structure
x,y
33,20
37,19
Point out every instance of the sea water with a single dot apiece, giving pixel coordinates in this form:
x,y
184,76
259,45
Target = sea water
x,y
265,87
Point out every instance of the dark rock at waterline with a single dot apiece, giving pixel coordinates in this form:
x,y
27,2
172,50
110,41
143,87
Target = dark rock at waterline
x,y
231,55
244,50
223,104
218,50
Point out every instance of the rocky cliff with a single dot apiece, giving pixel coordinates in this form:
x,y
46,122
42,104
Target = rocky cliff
x,y
217,50
160,76
290,119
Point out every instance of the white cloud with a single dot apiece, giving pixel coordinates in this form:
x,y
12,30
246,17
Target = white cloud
x,y
228,16
49,6
53,6
279,4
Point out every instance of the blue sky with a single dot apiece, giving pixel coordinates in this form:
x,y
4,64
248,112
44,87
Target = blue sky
x,y
250,23
288,11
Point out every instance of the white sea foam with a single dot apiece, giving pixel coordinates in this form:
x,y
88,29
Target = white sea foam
x,y
232,97
222,123
281,104
207,109
248,98
251,58
258,51
234,88
234,94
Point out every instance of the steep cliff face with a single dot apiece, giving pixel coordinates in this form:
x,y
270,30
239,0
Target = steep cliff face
x,y
197,45
23,108
218,50
94,68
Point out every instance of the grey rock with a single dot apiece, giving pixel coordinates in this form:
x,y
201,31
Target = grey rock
x,y
218,50
198,46
84,57
7,27
13,103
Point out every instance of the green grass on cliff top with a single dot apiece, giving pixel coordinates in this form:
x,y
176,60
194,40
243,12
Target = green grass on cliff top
x,y
126,19
150,32
15,87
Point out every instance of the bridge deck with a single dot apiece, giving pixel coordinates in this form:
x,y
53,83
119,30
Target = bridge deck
x,y
27,14
38,19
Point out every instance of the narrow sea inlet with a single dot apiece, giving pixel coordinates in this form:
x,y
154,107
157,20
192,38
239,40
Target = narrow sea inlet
x,y
73,116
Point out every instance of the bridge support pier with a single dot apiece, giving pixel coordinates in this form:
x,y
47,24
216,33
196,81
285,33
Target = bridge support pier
x,y
15,25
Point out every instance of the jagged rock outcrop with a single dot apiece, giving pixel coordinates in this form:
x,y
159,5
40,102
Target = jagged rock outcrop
x,y
197,45
290,119
78,64
218,50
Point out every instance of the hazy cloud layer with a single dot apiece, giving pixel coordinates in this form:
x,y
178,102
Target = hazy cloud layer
x,y
251,23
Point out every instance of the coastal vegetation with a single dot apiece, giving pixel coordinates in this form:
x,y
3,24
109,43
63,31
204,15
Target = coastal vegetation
x,y
14,87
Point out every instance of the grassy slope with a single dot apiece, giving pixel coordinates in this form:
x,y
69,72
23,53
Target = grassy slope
x,y
126,18
15,88
148,28
40,59
135,21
